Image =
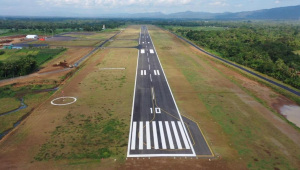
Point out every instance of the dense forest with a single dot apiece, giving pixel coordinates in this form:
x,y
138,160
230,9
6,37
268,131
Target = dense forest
x,y
264,47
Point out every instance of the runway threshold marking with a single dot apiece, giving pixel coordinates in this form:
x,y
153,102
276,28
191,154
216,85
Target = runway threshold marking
x,y
176,135
162,135
169,135
186,144
148,135
133,136
141,136
155,135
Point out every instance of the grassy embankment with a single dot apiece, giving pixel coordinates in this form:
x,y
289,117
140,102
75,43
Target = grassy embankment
x,y
196,28
9,97
235,130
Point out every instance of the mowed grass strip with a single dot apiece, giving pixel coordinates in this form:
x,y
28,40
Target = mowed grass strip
x,y
97,125
236,131
123,43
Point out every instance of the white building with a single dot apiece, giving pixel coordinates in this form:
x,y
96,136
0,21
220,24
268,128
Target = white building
x,y
32,36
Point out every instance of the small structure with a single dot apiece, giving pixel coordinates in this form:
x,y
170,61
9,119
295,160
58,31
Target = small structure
x,y
32,36
17,47
103,27
7,46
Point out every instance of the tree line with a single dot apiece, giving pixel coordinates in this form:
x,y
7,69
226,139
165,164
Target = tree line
x,y
267,48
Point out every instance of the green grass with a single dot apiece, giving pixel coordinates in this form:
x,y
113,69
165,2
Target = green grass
x,y
32,100
41,55
245,130
8,104
297,52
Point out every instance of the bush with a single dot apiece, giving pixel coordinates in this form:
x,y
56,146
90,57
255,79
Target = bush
x,y
2,52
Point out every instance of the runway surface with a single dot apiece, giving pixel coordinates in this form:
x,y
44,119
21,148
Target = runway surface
x,y
157,128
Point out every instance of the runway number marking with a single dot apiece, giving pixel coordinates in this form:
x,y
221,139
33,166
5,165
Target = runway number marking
x,y
157,110
151,111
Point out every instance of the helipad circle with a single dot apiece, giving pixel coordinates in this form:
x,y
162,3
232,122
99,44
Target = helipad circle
x,y
52,102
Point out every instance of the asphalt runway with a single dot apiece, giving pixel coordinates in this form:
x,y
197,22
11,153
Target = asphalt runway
x,y
157,128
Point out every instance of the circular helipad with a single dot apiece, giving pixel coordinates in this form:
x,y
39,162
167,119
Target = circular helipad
x,y
62,101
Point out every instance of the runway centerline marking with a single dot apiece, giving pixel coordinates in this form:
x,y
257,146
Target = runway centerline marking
x,y
149,66
150,78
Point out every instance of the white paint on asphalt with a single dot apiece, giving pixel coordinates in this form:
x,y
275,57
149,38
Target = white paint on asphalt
x,y
144,72
142,51
158,72
150,78
141,136
186,144
154,72
148,59
151,51
148,135
149,66
155,135
133,136
162,135
176,135
169,135
157,110
151,111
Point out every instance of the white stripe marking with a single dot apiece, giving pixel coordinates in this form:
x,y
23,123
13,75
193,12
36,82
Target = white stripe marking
x,y
148,59
169,135
176,135
151,110
133,136
154,72
141,136
149,66
155,135
187,146
142,51
162,135
151,51
158,72
150,78
148,135
144,72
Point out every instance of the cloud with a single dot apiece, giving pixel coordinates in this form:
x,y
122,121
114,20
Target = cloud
x,y
218,3
239,5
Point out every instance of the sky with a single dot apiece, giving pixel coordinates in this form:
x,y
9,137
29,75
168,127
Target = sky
x,y
98,8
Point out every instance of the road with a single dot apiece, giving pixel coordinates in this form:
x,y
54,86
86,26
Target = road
x,y
241,68
157,128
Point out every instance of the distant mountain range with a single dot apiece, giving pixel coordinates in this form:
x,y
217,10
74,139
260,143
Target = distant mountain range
x,y
282,13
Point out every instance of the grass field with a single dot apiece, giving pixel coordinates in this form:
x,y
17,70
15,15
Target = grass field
x,y
68,43
196,28
41,55
101,35
232,125
122,43
297,52
8,104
